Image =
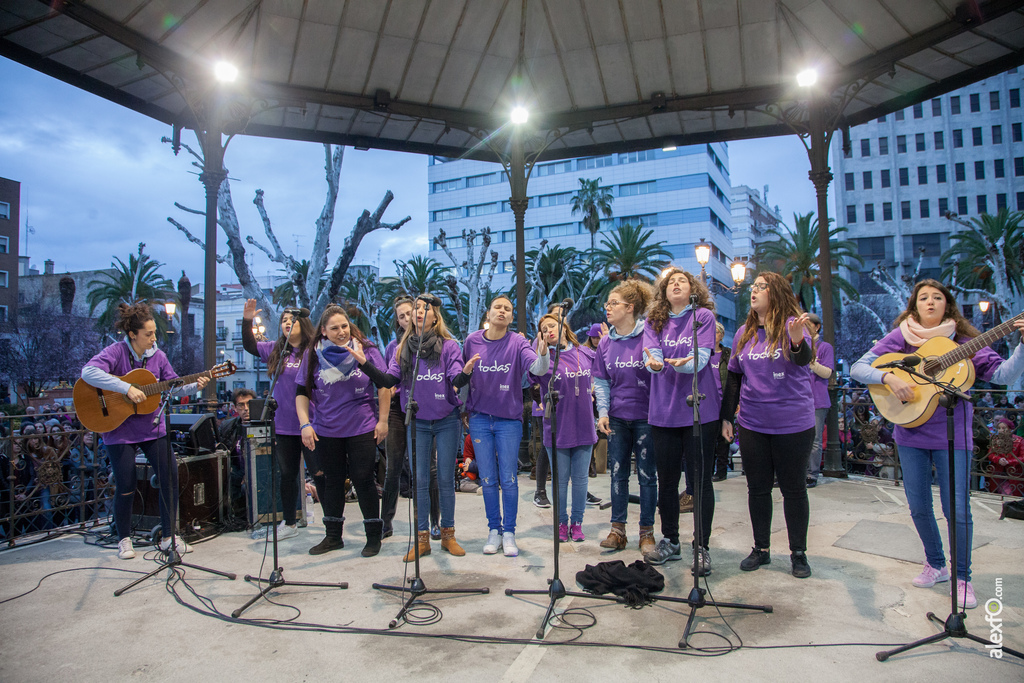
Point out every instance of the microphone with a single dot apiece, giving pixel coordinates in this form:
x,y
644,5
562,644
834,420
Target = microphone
x,y
905,362
567,302
298,312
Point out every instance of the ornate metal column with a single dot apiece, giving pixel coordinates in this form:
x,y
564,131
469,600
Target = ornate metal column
x,y
519,203
212,177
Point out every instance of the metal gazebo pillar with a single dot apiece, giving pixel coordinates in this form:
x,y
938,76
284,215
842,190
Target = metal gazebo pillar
x,y
519,202
212,177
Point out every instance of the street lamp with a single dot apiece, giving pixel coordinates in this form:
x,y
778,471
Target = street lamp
x,y
169,308
983,305
703,252
739,271
258,331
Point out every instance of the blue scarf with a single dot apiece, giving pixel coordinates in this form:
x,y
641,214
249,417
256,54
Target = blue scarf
x,y
335,364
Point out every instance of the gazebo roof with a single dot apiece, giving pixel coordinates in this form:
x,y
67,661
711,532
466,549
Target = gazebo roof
x,y
435,76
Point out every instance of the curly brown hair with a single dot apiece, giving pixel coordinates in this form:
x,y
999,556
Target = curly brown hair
x,y
963,328
133,317
782,305
660,309
637,293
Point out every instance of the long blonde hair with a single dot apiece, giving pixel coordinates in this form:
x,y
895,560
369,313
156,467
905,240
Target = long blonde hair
x,y
439,327
782,306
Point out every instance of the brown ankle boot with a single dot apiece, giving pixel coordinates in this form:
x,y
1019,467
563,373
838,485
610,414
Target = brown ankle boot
x,y
616,537
449,543
424,544
646,539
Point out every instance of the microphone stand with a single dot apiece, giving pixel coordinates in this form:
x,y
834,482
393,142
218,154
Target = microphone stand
x,y
695,599
416,587
955,624
556,589
173,558
276,579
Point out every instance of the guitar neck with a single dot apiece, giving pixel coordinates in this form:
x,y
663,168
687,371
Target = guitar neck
x,y
968,349
160,387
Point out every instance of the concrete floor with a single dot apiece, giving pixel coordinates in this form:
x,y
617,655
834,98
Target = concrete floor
x,y
73,628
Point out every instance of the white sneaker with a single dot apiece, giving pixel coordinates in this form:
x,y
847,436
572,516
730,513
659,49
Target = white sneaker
x,y
493,542
284,531
125,551
508,542
179,545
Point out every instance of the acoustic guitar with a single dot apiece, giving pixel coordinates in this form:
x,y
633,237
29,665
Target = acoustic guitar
x,y
941,359
100,410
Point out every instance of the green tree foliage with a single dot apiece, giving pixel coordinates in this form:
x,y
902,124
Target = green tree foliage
x,y
138,280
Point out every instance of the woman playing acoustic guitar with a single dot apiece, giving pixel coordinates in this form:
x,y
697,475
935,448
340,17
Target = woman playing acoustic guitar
x,y
932,312
138,350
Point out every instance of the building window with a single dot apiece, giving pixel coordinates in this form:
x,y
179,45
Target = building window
x,y
993,100
886,181
937,107
509,267
3,314
918,111
997,135
484,179
865,147
633,157
940,173
958,138
975,103
998,168
905,210
557,167
1018,166
872,248
929,243
886,211
483,209
961,206
901,144
869,213
1020,201
1018,133
899,115
919,142
634,189
1000,201
982,204
976,136
240,355
880,119
849,182
5,210
594,162
448,214
954,104
4,279
552,199
922,175
943,206
447,185
959,173
904,177
1014,98
979,170
5,244
940,142
851,213
925,212
866,180
883,146
559,230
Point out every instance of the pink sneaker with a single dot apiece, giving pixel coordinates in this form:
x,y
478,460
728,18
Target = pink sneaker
x,y
563,533
964,594
576,533
930,576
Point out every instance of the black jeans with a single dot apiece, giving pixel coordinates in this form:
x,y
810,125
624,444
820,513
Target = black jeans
x,y
347,458
395,448
672,447
122,462
765,457
289,456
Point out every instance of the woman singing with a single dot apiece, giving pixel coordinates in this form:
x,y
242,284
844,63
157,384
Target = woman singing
x,y
622,386
344,432
283,358
495,362
138,350
770,378
932,312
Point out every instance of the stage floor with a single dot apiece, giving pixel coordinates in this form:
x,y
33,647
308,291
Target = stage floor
x,y
862,549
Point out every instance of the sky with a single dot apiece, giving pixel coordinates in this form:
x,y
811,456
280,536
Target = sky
x,y
96,180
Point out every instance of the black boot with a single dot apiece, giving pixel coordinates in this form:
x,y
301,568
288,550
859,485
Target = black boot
x,y
389,530
374,530
333,539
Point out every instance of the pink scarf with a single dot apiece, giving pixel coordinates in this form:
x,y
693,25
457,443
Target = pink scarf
x,y
915,334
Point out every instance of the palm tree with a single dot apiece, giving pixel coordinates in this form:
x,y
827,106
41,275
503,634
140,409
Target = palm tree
x,y
794,254
592,201
285,294
987,257
628,255
420,274
136,281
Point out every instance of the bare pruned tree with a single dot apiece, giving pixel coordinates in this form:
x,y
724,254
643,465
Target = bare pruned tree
x,y
471,275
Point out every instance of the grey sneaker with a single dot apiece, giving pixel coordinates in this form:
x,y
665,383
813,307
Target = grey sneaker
x,y
493,544
508,542
703,565
665,550
125,551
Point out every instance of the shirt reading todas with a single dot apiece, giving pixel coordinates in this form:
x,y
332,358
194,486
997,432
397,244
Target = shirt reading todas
x,y
435,395
286,420
575,413
620,362
670,387
343,408
496,383
775,395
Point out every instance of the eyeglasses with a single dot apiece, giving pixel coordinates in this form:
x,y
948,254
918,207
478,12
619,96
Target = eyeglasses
x,y
612,304
759,287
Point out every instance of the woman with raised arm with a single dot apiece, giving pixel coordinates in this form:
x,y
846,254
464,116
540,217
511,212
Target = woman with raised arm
x,y
932,312
622,387
496,360
138,350
770,379
283,358
428,350
679,299
343,432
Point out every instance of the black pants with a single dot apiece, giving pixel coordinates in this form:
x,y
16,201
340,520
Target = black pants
x,y
396,452
347,458
122,462
674,446
721,452
543,468
765,457
289,458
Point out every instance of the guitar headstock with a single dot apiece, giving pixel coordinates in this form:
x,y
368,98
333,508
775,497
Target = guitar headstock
x,y
225,369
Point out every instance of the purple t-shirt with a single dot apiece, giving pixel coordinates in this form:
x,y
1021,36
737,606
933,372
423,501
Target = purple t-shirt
x,y
669,388
435,394
117,359
621,363
819,385
715,363
574,384
775,397
496,383
932,434
343,408
389,355
286,420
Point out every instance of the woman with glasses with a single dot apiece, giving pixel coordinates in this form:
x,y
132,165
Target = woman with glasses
x,y
622,386
770,379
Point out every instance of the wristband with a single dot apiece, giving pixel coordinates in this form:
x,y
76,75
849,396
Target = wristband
x,y
301,427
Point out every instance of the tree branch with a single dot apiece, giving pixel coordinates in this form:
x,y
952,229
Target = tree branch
x,y
192,238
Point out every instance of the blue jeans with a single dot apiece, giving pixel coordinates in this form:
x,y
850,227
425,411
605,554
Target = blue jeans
x,y
445,434
496,447
573,463
629,437
917,482
814,463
